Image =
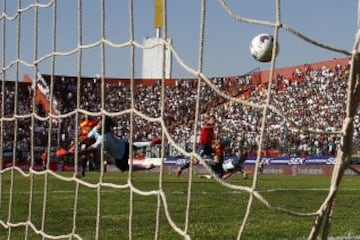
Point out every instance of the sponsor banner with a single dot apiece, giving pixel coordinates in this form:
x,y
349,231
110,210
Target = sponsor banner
x,y
322,166
287,160
178,161
313,160
319,160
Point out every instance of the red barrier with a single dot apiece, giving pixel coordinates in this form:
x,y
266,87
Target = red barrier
x,y
25,166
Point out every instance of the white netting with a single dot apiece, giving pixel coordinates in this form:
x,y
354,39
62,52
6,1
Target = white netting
x,y
129,107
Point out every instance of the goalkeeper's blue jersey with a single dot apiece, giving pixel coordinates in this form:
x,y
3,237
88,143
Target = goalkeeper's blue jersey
x,y
115,147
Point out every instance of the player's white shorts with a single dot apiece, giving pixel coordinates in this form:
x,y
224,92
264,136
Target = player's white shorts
x,y
228,166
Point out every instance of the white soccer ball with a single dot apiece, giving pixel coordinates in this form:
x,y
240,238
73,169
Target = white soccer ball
x,y
261,47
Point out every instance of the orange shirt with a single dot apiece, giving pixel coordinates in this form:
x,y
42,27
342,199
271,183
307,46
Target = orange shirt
x,y
61,152
86,126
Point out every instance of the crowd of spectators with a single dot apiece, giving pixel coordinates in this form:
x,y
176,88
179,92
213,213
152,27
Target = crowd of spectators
x,y
314,98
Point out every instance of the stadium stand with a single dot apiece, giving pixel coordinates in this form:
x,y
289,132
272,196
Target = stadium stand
x,y
321,107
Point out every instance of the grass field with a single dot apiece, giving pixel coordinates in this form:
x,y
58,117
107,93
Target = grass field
x,y
216,212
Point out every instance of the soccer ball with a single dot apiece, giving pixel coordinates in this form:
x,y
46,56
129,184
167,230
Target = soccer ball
x,y
261,47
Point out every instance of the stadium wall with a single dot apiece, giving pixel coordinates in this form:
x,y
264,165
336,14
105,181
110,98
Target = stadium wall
x,y
288,72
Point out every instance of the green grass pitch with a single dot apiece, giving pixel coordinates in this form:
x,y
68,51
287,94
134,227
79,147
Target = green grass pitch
x,y
216,212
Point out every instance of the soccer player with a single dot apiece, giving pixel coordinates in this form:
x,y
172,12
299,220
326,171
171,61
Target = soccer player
x,y
85,127
235,165
43,158
207,137
86,157
229,167
115,147
204,145
218,157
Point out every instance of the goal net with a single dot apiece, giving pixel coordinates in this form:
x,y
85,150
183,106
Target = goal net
x,y
64,61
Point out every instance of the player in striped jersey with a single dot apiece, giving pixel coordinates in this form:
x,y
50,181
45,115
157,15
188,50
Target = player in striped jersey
x,y
230,166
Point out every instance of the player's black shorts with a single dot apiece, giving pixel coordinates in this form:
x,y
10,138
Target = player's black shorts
x,y
217,168
123,163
